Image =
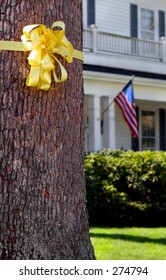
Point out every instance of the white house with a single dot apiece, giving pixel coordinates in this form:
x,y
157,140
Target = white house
x,y
121,39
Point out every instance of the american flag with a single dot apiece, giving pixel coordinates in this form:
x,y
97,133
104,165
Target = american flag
x,y
125,100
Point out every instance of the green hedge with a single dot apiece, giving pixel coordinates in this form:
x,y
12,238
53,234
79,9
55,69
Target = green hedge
x,y
126,188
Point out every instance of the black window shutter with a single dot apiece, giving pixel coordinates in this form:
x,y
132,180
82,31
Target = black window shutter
x,y
134,141
91,12
161,24
162,126
133,21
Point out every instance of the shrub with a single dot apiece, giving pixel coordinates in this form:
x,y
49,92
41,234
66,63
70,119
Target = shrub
x,y
126,188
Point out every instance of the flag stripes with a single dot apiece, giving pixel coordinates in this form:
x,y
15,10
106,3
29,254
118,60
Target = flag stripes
x,y
125,101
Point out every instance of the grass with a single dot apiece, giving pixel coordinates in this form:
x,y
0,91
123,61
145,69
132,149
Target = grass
x,y
129,243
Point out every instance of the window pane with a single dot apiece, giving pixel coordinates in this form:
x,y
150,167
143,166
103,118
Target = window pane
x,y
148,130
147,20
147,24
148,144
147,35
148,123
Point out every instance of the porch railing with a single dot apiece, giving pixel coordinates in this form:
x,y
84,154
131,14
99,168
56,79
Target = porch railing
x,y
102,42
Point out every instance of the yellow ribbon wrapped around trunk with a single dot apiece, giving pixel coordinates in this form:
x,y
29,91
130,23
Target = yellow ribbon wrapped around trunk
x,y
45,46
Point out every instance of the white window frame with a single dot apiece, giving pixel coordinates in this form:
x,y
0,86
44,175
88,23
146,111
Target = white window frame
x,y
147,32
156,111
155,21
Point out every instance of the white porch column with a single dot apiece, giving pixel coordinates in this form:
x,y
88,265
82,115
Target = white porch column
x,y
109,124
94,124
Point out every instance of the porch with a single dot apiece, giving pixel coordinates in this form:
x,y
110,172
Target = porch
x,y
104,125
99,42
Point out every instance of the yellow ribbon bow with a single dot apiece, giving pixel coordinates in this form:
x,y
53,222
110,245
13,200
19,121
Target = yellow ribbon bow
x,y
45,45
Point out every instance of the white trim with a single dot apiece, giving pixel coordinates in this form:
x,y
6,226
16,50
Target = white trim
x,y
146,107
125,62
122,79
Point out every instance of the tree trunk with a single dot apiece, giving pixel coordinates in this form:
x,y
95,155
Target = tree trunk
x,y
42,192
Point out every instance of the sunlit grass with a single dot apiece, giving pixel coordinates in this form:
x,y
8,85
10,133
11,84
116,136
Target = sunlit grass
x,y
129,243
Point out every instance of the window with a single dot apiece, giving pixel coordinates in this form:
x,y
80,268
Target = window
x,y
148,130
91,12
147,24
144,26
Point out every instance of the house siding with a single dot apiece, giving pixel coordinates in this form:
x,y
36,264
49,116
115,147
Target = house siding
x,y
114,16
113,21
106,72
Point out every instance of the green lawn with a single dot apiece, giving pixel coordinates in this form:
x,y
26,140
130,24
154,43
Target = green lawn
x,y
129,243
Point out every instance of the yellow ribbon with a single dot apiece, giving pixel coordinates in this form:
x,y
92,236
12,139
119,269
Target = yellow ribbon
x,y
45,46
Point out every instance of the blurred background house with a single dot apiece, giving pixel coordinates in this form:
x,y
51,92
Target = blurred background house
x,y
121,39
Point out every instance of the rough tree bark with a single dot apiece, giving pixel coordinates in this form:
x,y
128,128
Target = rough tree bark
x,y
42,192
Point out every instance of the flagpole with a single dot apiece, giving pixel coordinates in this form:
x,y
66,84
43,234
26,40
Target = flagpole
x,y
105,110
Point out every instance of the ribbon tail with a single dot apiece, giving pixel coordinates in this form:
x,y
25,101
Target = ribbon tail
x,y
78,54
45,80
63,73
34,76
11,46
